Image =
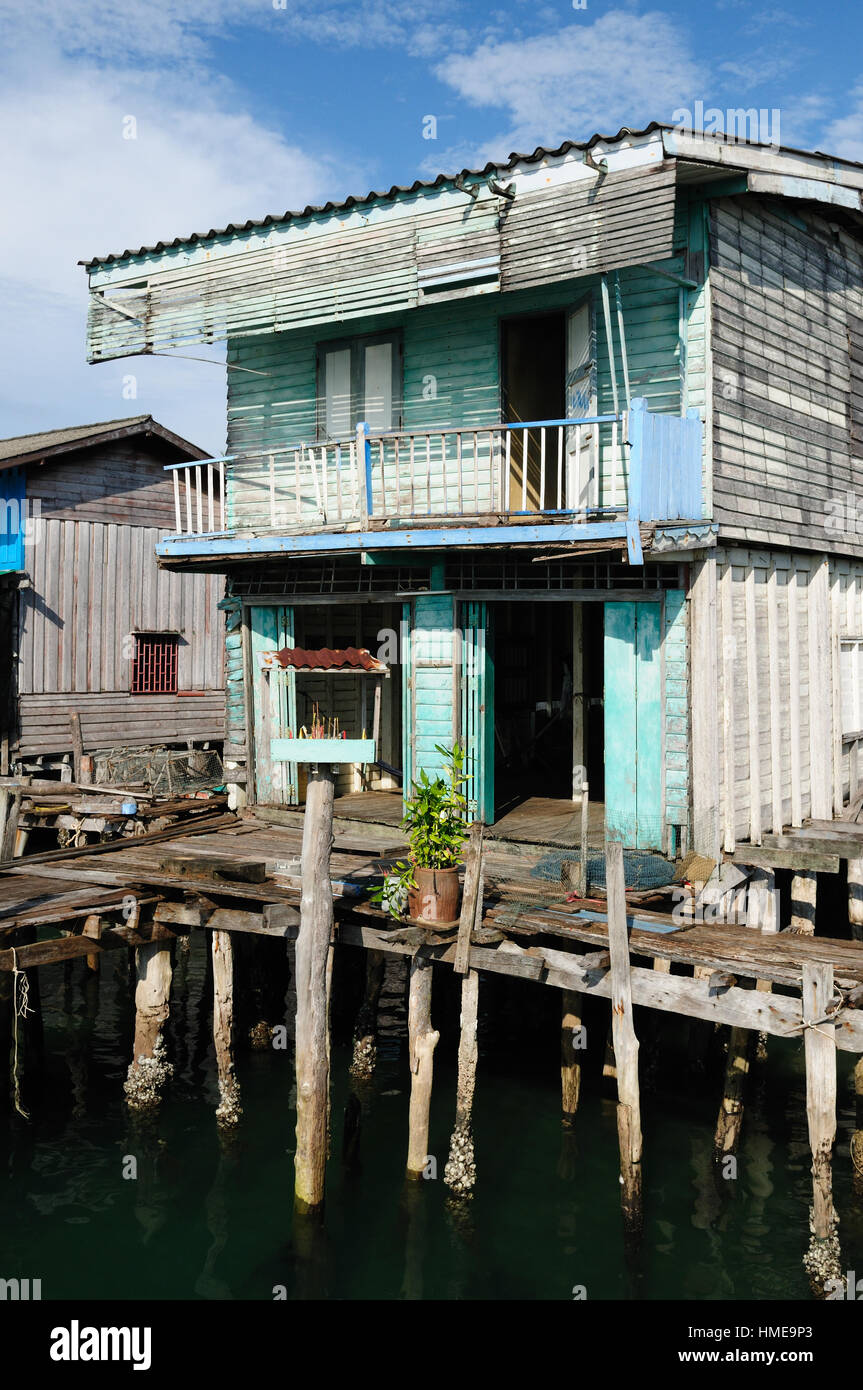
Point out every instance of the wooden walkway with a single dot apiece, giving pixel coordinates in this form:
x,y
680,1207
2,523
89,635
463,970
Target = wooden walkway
x,y
516,906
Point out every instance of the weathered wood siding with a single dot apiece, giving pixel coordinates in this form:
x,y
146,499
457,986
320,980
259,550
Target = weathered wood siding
x,y
121,482
391,254
779,621
783,291
93,584
116,718
676,768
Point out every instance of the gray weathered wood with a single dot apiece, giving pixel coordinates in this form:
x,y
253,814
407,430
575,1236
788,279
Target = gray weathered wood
x,y
625,1040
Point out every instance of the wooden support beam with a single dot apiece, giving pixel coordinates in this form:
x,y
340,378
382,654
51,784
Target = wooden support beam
x,y
818,861
625,1042
730,1120
229,1110
312,951
822,1261
571,1037
422,1041
460,1171
150,1069
364,1053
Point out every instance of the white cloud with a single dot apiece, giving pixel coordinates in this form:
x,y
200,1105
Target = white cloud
x,y
622,69
74,188
844,135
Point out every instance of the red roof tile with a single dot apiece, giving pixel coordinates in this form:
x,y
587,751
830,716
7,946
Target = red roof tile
x,y
328,659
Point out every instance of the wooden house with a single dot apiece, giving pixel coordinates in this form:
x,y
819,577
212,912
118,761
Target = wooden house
x,y
581,435
89,623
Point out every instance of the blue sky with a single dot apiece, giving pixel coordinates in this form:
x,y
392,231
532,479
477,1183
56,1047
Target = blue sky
x,y
244,107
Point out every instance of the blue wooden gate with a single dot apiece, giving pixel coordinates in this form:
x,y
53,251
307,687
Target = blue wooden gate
x,y
633,724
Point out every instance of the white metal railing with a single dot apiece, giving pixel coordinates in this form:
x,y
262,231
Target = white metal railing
x,y
527,467
199,496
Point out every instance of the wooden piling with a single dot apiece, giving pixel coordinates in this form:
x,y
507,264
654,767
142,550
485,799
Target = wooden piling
x,y
571,1006
150,1069
730,1120
625,1042
229,1110
804,887
312,951
460,1171
822,1260
422,1041
364,1053
855,897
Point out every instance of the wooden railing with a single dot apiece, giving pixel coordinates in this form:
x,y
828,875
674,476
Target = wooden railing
x,y
199,496
579,468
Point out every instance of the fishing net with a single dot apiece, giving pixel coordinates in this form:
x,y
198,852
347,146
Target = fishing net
x,y
165,771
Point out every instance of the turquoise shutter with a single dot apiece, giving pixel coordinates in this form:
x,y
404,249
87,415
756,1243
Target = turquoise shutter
x,y
274,705
633,724
477,710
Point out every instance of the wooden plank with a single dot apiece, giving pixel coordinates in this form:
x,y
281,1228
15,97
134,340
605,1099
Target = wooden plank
x,y
804,858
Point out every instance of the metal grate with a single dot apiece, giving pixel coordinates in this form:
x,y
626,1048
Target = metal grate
x,y
154,670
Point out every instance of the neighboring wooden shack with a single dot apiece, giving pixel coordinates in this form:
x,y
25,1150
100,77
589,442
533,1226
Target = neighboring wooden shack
x,y
89,623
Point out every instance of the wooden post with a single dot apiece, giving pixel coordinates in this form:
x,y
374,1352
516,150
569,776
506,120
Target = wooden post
x,y
460,1171
93,927
857,1136
822,1261
625,1041
855,897
730,1119
365,1029
77,744
571,1006
149,1069
312,950
422,1041
229,1110
804,886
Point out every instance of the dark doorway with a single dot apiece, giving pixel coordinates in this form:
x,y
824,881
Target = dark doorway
x,y
533,361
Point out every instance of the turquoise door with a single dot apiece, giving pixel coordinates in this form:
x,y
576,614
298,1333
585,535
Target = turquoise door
x,y
274,705
477,710
428,685
633,724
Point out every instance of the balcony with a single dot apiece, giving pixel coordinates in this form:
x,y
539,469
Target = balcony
x,y
539,480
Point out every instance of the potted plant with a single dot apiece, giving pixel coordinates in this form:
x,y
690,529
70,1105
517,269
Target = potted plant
x,y
435,818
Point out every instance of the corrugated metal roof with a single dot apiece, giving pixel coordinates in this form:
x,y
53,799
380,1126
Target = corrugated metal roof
x,y
378,196
26,447
330,659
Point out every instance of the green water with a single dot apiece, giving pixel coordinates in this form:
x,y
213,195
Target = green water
x,y
204,1220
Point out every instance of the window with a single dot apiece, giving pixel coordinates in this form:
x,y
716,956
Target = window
x,y
359,380
154,668
851,673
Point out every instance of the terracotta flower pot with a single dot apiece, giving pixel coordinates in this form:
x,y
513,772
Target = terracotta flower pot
x,y
435,898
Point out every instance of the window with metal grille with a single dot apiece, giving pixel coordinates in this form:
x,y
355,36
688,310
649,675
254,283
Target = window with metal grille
x,y
154,669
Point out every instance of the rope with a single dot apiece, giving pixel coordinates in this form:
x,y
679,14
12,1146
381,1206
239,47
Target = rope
x,y
20,997
837,1004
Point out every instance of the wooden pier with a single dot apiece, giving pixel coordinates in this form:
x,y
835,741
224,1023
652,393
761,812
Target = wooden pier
x,y
228,875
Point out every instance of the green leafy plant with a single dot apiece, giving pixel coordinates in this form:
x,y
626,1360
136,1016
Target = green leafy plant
x,y
436,821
